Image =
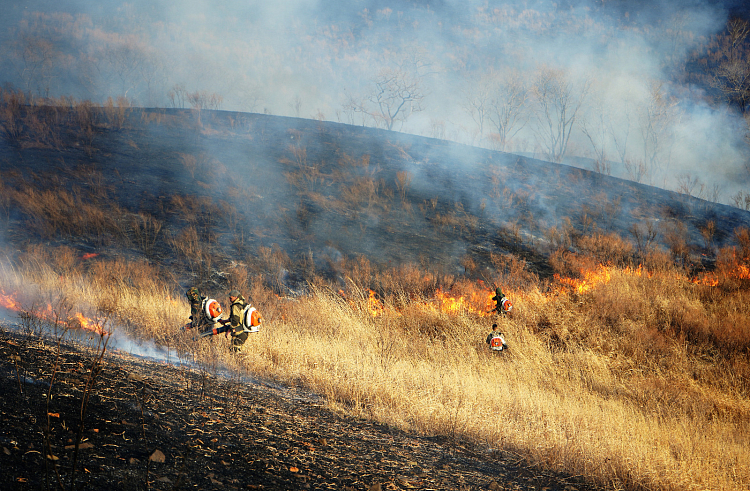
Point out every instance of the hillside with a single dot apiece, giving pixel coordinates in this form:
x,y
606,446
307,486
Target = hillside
x,y
172,184
371,255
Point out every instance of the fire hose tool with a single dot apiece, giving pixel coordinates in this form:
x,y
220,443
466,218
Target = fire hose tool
x,y
223,327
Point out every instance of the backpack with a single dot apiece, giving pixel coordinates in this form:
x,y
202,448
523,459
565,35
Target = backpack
x,y
251,319
497,342
212,309
506,305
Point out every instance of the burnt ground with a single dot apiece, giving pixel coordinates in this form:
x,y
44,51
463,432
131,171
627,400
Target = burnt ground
x,y
152,425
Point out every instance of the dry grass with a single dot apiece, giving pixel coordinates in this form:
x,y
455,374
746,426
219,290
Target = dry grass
x,y
636,378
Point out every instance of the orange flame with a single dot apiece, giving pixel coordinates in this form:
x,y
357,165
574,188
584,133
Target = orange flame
x,y
374,306
9,302
477,302
591,278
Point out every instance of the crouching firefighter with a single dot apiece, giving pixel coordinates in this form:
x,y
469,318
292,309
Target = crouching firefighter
x,y
243,319
205,312
502,303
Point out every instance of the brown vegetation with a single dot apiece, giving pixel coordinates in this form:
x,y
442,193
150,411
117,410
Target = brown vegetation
x,y
615,371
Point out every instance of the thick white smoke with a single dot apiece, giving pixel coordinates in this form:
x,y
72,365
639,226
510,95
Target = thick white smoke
x,y
324,60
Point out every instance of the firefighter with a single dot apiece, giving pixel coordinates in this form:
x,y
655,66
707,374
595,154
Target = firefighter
x,y
238,331
496,340
502,304
198,318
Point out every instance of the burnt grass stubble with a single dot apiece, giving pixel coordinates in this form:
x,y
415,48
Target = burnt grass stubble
x,y
215,431
153,425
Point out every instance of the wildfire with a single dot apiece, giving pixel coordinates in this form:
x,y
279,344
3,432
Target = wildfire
x,y
590,279
478,302
708,279
374,306
10,302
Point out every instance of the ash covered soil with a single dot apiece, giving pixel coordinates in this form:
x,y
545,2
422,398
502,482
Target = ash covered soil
x,y
153,425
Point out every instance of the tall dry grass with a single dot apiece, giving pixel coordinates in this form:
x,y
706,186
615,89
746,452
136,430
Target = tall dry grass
x,y
639,381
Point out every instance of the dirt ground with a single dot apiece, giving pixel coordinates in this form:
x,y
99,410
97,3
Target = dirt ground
x,y
151,425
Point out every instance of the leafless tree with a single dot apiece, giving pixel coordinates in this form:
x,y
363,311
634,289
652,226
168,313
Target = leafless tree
x,y
657,120
296,105
732,75
177,96
478,99
596,125
126,58
508,110
395,95
38,55
558,100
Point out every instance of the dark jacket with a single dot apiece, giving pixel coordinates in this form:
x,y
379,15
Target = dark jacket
x,y
239,334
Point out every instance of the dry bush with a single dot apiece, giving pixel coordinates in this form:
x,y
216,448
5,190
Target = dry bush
x,y
658,261
145,232
274,264
11,114
675,237
190,163
409,281
570,264
115,111
193,251
742,236
513,272
53,212
560,237
363,191
608,249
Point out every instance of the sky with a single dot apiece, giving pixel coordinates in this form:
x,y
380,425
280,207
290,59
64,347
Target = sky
x,y
616,61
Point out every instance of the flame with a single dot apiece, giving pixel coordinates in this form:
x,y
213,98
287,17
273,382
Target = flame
x,y
477,302
590,279
10,302
708,279
374,306
89,255
740,272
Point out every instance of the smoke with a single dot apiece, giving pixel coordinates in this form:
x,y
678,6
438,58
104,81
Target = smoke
x,y
322,60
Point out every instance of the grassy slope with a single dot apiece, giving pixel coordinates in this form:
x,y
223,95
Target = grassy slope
x,y
621,383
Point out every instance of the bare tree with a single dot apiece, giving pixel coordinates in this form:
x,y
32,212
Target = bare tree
x,y
38,55
657,120
508,110
732,75
296,105
177,96
558,100
478,99
597,126
126,58
395,96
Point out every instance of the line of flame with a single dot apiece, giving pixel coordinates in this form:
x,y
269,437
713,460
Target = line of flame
x,y
9,302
